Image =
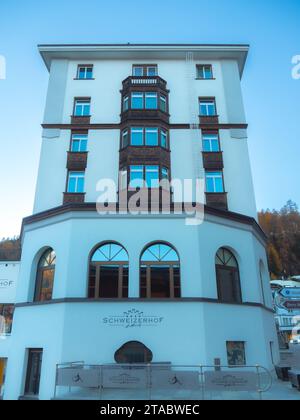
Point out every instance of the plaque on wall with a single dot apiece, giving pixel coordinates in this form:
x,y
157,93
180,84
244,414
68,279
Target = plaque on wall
x,y
167,379
227,381
124,376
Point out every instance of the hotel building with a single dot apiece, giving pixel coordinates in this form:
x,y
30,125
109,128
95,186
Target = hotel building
x,y
122,286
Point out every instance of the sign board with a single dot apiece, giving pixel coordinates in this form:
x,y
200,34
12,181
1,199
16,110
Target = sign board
x,y
292,304
8,281
230,381
290,292
290,359
132,318
124,377
79,377
164,379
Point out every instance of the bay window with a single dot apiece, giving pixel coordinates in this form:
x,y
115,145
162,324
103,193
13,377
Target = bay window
x,y
144,136
147,176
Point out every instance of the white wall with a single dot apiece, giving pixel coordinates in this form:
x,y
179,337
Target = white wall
x,y
103,158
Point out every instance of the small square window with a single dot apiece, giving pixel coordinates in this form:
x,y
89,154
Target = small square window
x,y
75,182
79,142
82,107
204,71
210,142
207,107
137,71
85,72
214,182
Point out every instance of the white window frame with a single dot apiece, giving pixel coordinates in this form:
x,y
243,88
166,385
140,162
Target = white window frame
x,y
210,138
85,67
79,175
81,138
207,104
212,175
82,103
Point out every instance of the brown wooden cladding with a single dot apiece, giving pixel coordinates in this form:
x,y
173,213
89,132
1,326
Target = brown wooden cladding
x,y
144,155
76,198
77,161
80,120
212,160
209,120
217,200
143,82
136,115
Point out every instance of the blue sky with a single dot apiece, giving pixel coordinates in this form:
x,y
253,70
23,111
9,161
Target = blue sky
x,y
271,95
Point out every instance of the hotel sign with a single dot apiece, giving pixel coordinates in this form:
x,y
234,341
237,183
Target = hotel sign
x,y
132,319
225,381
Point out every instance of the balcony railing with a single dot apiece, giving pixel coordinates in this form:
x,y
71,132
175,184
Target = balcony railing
x,y
212,160
77,161
217,200
144,81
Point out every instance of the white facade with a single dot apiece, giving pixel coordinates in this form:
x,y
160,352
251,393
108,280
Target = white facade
x,y
9,272
193,328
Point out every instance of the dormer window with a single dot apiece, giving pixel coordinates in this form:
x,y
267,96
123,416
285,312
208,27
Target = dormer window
x,y
144,70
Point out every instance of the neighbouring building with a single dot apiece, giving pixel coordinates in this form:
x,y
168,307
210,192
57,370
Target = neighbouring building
x,y
116,286
9,271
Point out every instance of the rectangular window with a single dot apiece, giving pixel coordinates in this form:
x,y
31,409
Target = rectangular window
x,y
76,182
207,108
152,176
136,176
210,142
163,139
236,355
79,142
137,100
204,71
6,318
85,72
151,100
125,103
82,107
151,71
138,71
137,135
124,138
163,103
214,182
151,136
34,365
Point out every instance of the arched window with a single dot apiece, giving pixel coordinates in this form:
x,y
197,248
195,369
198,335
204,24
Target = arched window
x,y
133,352
159,272
45,276
228,278
108,274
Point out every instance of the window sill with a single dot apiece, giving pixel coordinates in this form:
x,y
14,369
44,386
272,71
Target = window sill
x,y
202,78
77,78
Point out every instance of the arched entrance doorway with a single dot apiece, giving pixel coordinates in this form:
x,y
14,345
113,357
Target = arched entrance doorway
x,y
133,352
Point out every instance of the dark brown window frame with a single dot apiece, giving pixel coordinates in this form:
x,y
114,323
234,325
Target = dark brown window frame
x,y
39,277
97,264
144,127
236,281
170,264
160,168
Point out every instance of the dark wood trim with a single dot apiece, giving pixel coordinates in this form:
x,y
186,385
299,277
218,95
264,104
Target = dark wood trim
x,y
77,161
172,126
143,300
73,197
91,207
212,160
217,200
